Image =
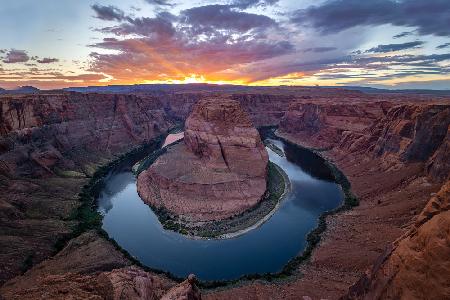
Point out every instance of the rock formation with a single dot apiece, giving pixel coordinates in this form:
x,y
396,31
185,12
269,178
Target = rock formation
x,y
50,143
399,134
219,171
89,267
417,265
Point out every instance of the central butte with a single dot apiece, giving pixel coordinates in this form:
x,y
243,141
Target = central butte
x,y
218,172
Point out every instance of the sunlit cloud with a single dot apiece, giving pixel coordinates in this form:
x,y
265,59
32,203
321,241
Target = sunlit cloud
x,y
255,42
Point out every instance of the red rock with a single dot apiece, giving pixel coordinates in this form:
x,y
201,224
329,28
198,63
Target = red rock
x,y
416,266
219,171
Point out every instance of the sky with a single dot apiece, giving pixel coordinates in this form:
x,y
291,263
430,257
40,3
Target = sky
x,y
380,43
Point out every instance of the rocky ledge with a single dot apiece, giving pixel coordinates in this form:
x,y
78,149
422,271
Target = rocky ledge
x,y
218,172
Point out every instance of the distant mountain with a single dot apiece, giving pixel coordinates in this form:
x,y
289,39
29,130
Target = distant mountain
x,y
198,87
372,90
140,88
26,89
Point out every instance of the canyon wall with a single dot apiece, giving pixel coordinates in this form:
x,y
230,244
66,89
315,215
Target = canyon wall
x,y
394,149
398,134
49,146
219,171
42,132
417,265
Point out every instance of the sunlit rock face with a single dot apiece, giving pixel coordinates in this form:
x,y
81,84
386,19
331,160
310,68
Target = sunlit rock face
x,y
219,171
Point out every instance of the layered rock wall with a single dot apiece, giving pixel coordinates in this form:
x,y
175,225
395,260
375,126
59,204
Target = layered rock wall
x,y
49,146
218,172
40,132
399,134
417,265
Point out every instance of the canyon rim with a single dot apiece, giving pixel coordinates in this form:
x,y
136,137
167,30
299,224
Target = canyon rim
x,y
243,149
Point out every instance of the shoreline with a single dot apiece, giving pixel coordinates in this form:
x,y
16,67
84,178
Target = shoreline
x,y
288,272
287,189
172,223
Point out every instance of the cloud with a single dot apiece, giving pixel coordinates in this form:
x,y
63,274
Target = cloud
x,y
319,49
403,34
47,60
395,47
176,59
223,42
225,17
443,46
209,40
429,17
108,13
244,4
160,2
158,27
16,56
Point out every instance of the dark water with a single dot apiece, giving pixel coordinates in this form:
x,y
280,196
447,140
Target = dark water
x,y
265,249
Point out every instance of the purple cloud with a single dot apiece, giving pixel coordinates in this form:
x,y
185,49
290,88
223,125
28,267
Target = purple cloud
x,y
429,17
243,4
403,34
443,46
47,60
16,56
108,13
395,47
319,49
225,17
160,2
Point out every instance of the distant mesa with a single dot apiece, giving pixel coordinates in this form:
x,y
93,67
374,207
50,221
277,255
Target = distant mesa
x,y
218,171
26,89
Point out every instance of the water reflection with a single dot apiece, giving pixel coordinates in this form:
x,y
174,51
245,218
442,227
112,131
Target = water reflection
x,y
266,249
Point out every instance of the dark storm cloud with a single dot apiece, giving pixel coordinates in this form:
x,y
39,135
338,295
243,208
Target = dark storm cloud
x,y
429,17
403,34
395,47
16,56
108,13
47,60
225,17
443,46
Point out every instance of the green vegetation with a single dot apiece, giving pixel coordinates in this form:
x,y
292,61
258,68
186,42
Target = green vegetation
x,y
86,213
69,174
89,219
275,189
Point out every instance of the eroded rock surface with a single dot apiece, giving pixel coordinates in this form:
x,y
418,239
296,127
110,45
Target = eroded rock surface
x,y
417,265
219,171
90,267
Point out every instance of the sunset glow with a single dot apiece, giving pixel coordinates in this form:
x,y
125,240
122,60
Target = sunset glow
x,y
245,42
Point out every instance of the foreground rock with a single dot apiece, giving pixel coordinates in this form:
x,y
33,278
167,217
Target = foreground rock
x,y
218,172
89,267
417,265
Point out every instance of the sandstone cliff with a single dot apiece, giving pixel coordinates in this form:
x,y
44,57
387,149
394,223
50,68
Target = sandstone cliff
x,y
219,171
50,143
91,268
417,265
49,146
399,134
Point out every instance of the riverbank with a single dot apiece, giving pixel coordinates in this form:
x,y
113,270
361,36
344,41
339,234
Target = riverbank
x,y
350,240
277,188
